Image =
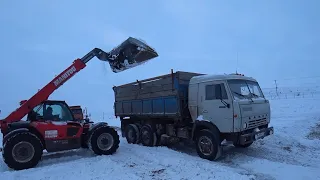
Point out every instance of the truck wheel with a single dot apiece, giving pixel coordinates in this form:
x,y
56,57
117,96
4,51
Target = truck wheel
x,y
132,134
148,136
104,141
207,145
22,151
242,145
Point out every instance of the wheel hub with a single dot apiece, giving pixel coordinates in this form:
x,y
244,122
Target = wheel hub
x,y
23,152
105,141
205,145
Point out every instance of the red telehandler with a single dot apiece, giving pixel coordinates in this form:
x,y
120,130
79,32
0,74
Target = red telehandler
x,y
51,125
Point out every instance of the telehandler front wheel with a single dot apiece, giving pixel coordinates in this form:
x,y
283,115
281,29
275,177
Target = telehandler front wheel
x,y
22,151
104,141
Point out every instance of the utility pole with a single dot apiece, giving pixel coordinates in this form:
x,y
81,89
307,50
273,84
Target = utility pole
x,y
275,81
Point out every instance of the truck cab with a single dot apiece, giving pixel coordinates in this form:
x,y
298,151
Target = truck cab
x,y
77,112
234,104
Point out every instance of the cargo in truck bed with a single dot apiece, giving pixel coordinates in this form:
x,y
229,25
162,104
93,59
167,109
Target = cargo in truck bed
x,y
164,95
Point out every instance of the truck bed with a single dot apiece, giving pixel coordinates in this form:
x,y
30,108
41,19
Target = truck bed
x,y
161,96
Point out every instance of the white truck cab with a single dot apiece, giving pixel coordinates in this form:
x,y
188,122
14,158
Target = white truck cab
x,y
234,104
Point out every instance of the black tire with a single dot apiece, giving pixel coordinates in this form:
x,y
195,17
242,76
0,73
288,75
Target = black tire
x,y
132,134
148,136
159,133
242,145
213,141
24,140
110,137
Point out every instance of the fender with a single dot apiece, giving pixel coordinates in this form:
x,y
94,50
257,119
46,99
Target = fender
x,y
12,133
199,125
18,125
96,126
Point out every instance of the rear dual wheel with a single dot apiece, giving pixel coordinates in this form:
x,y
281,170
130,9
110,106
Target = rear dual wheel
x,y
132,134
148,136
145,134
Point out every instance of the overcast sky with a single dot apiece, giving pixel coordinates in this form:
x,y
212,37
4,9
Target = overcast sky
x,y
39,39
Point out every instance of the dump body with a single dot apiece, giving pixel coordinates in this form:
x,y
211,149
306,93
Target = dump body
x,y
164,96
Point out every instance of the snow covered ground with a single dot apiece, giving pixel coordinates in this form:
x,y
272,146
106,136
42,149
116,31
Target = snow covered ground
x,y
293,152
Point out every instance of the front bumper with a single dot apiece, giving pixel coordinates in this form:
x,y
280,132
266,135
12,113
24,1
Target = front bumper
x,y
248,138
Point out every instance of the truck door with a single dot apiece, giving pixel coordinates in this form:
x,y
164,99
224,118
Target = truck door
x,y
214,109
58,127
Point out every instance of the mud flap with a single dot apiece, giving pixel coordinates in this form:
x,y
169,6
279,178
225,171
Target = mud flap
x,y
132,52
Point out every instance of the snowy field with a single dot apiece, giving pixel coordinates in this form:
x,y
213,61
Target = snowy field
x,y
293,152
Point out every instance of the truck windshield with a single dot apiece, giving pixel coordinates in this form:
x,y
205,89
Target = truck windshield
x,y
245,89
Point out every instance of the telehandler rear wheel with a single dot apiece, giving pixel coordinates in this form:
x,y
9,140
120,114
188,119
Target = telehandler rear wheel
x,y
22,151
104,141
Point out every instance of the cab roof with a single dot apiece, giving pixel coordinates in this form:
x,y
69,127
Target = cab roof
x,y
217,77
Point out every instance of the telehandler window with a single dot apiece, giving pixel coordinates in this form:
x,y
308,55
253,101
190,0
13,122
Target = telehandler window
x,y
58,112
211,91
36,113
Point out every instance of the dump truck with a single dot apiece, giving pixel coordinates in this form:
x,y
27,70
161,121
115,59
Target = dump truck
x,y
207,110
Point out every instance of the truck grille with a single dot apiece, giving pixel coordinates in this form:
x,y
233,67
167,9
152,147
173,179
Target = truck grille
x,y
257,123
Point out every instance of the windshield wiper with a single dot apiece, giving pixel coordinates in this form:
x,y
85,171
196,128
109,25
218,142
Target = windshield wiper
x,y
239,94
258,96
249,91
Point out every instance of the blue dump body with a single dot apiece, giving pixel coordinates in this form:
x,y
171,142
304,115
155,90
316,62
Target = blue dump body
x,y
162,97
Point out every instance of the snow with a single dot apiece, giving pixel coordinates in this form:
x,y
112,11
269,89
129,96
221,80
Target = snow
x,y
288,154
200,118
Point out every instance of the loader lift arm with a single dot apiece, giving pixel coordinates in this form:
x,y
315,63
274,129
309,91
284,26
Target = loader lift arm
x,y
127,50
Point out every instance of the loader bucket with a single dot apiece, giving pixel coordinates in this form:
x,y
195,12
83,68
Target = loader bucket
x,y
132,52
